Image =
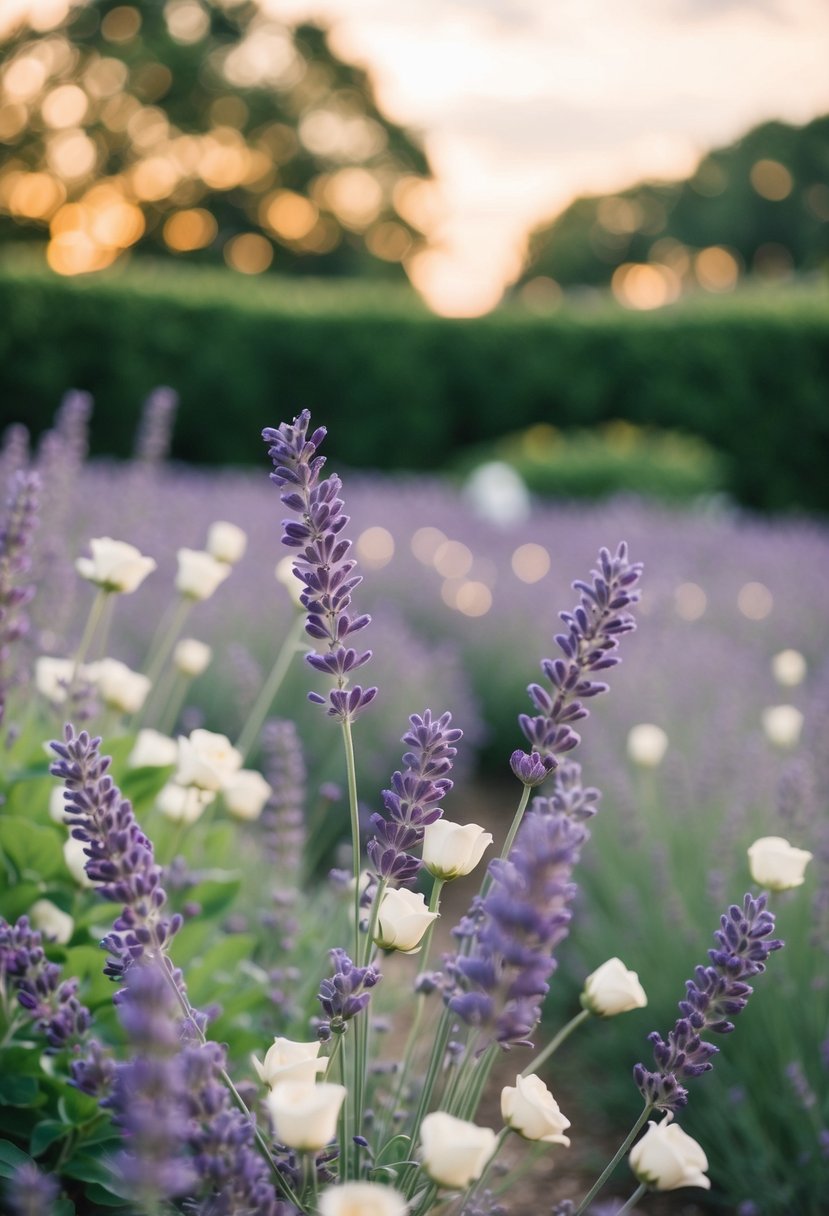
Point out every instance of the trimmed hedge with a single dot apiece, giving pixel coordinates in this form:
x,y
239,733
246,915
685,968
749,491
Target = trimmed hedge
x,y
406,389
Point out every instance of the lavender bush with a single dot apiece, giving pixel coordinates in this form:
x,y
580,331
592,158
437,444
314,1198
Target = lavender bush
x,y
220,932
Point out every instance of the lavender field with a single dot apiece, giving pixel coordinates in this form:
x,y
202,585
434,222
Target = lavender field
x,y
711,736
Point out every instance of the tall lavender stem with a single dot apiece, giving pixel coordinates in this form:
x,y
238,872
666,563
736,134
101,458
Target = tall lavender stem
x,y
15,564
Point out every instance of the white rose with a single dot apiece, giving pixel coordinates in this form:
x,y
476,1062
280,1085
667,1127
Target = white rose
x,y
76,859
245,793
304,1114
53,677
114,565
612,989
199,573
191,656
183,803
530,1109
120,687
667,1158
454,1152
51,922
776,864
647,744
782,724
402,920
451,850
362,1199
789,668
206,759
287,1060
284,574
57,804
226,542
152,750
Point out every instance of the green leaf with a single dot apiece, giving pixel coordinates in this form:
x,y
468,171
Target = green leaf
x,y
88,1168
64,1207
204,979
75,1107
11,1157
35,852
216,893
17,899
18,1091
45,1134
103,1197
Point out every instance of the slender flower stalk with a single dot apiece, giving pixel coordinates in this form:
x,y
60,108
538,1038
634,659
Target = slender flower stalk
x,y
16,592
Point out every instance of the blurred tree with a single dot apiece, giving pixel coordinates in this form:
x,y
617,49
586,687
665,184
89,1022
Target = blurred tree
x,y
759,206
204,129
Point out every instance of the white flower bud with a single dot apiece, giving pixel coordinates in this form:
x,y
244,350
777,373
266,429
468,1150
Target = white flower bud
x,y
667,1158
226,542
647,744
183,803
114,565
152,750
191,657
612,989
776,864
284,574
53,677
362,1199
52,923
305,1115
402,920
454,1152
206,760
789,668
530,1109
57,803
245,794
451,850
199,573
782,724
287,1060
119,687
76,859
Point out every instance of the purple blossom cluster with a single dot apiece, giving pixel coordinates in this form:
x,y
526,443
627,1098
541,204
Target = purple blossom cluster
x,y
344,994
412,802
16,592
717,993
51,1003
323,564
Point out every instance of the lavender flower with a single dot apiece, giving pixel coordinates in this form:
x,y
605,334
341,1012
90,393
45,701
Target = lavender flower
x,y
715,994
322,565
51,1004
30,1192
152,442
14,455
15,562
284,815
345,994
412,802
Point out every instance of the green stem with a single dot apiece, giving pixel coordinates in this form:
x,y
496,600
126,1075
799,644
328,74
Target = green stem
x,y
251,729
555,1043
634,1199
480,1182
96,615
608,1170
508,843
164,641
351,774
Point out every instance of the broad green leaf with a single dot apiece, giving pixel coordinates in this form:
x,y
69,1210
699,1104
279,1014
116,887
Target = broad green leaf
x,y
217,892
35,852
45,1134
18,1091
16,899
217,965
11,1157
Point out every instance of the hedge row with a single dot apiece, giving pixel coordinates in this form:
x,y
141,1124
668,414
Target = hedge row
x,y
401,388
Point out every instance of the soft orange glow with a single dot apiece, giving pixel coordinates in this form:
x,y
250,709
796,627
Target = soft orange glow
x,y
530,562
103,77
224,159
717,269
541,294
24,78
118,111
755,601
249,253
771,180
121,24
389,241
355,195
417,202
13,119
154,178
690,601
71,154
110,220
375,547
452,559
620,215
290,215
64,106
425,543
644,286
186,20
75,252
36,196
185,231
147,126
343,137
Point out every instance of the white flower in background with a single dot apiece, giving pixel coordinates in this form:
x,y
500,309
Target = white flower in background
x,y
76,859
226,542
284,574
451,850
183,803
782,724
152,750
206,760
114,565
530,1109
191,656
667,1158
304,1114
454,1152
496,492
245,793
199,573
362,1199
647,744
789,668
612,989
53,677
51,922
287,1060
776,864
119,687
57,803
402,920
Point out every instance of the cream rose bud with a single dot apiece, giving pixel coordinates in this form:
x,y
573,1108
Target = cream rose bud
x,y
284,574
53,677
454,1152
647,744
667,1158
245,794
226,542
789,668
57,804
206,760
76,859
776,864
362,1199
530,1109
287,1060
451,850
119,687
183,803
199,573
152,750
304,1114
782,724
191,657
52,923
612,989
402,920
114,565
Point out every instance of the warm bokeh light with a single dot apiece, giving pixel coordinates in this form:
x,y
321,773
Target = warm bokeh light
x,y
71,154
121,24
473,598
185,231
289,215
690,601
530,562
425,544
389,241
375,547
771,180
186,20
452,559
36,195
355,195
644,286
249,253
64,106
755,601
717,269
